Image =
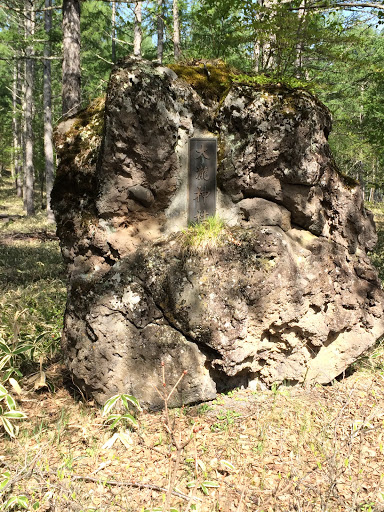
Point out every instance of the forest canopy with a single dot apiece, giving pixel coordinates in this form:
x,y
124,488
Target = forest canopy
x,y
55,57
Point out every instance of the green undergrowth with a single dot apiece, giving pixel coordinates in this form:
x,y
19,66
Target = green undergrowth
x,y
373,360
12,206
32,284
32,278
377,255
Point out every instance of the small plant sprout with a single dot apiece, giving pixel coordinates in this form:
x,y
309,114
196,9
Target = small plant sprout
x,y
204,486
227,466
126,401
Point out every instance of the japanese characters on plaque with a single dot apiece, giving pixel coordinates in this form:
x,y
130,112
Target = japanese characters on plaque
x,y
202,179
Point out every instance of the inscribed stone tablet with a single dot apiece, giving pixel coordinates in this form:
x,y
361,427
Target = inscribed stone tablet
x,y
202,179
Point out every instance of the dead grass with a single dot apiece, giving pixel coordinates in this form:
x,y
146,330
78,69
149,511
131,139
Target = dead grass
x,y
281,450
318,449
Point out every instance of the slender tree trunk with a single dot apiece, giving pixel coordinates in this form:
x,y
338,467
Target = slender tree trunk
x,y
47,103
372,191
372,194
15,149
160,31
29,72
268,46
300,45
23,119
257,55
176,31
71,92
257,46
269,61
137,35
17,131
21,183
113,36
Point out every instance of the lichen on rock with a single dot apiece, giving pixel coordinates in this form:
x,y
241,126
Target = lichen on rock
x,y
289,293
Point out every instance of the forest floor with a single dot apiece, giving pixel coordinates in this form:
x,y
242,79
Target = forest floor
x,y
285,449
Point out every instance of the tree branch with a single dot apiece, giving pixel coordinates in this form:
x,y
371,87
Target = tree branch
x,y
138,485
30,57
341,5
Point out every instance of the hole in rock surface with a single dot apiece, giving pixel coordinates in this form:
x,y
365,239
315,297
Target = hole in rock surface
x,y
225,383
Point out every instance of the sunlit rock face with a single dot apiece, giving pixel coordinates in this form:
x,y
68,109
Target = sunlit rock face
x,y
288,294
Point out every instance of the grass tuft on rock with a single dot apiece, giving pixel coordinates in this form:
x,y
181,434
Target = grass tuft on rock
x,y
204,237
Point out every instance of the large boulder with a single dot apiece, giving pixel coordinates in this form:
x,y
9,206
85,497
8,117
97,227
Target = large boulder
x,y
286,294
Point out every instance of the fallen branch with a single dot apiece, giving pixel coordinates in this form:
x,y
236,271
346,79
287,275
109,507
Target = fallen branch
x,y
26,471
138,485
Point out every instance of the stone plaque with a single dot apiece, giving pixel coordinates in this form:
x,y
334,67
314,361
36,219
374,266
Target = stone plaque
x,y
202,179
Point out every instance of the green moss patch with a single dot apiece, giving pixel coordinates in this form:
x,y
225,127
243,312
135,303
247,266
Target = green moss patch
x,y
79,145
91,118
263,81
213,82
210,82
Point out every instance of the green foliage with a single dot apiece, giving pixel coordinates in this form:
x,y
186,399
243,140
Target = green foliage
x,y
204,486
32,285
217,32
12,356
33,294
9,413
96,48
377,255
19,502
348,89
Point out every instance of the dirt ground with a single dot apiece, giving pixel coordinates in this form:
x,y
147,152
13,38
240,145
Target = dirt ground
x,y
285,449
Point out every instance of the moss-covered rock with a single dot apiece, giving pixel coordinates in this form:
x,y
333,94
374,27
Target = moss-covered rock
x,y
286,292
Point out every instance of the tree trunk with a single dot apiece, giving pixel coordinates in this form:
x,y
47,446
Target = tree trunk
x,y
300,45
113,35
160,31
22,129
71,91
47,104
137,36
372,195
256,55
268,54
15,123
176,31
17,137
29,72
257,46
